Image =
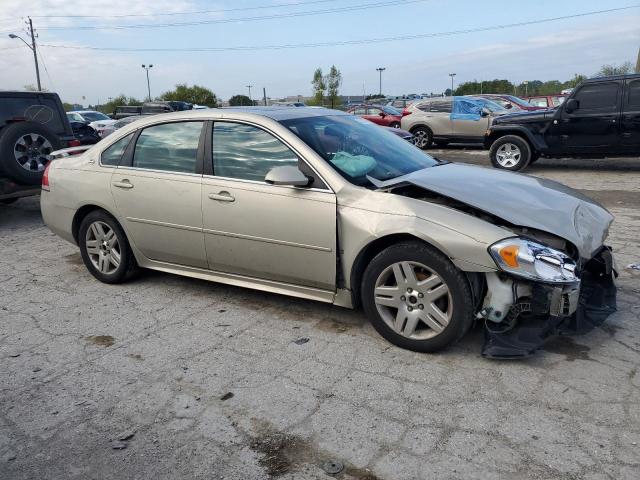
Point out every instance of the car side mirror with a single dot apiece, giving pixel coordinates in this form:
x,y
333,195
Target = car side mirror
x,y
485,112
508,106
287,175
382,114
571,105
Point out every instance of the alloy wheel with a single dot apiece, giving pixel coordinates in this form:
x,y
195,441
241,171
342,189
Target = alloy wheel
x,y
508,155
421,139
32,151
103,247
413,300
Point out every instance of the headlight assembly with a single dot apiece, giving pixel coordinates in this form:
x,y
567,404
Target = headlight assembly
x,y
533,261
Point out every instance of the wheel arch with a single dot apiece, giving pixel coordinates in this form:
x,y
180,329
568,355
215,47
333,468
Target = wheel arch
x,y
85,210
534,143
420,125
370,250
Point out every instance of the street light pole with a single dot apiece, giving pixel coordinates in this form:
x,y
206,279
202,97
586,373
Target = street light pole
x,y
148,84
452,75
381,69
526,88
33,49
249,87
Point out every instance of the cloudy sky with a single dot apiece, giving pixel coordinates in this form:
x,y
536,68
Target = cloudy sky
x,y
544,51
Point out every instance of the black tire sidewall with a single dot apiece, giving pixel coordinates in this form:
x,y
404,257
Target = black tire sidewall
x,y
522,144
394,124
455,279
428,136
8,137
126,255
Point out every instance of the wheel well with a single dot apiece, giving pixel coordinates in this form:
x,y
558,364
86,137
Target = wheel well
x,y
415,127
79,216
514,133
366,255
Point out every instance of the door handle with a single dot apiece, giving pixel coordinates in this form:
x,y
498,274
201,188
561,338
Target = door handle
x,y
123,184
222,197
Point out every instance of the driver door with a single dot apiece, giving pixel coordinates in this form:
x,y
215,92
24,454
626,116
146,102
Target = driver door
x,y
280,233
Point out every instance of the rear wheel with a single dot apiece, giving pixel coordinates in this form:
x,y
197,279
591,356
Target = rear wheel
x,y
423,137
416,298
24,151
394,124
510,152
104,248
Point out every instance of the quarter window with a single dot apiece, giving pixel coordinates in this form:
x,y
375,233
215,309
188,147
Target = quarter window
x,y
112,155
171,146
247,152
441,106
634,93
600,97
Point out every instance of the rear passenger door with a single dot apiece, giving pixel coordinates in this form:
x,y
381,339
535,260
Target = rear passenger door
x,y
157,191
630,124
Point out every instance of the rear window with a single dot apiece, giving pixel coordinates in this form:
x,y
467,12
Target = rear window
x,y
43,110
634,93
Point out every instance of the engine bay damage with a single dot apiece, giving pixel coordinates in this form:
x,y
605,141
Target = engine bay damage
x,y
537,312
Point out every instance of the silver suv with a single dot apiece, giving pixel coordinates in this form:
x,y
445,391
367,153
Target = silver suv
x,y
450,119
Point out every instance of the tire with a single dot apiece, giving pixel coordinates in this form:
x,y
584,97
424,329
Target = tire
x,y
8,201
394,124
438,278
97,227
423,137
510,152
24,147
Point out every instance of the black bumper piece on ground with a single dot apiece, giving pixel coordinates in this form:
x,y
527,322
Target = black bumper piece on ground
x,y
529,331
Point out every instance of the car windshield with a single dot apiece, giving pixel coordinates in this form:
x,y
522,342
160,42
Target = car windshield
x,y
75,117
357,148
95,116
391,111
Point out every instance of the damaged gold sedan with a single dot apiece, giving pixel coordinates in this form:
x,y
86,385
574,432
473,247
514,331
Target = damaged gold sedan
x,y
323,205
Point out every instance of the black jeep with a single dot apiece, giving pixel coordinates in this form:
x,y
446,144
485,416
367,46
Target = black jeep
x,y
601,118
32,125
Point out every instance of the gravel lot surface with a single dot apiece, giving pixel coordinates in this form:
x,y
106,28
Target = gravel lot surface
x,y
174,378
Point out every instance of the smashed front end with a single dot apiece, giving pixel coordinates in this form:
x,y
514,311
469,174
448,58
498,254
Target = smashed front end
x,y
541,292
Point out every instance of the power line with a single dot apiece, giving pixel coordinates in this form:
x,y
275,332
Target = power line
x,y
196,12
46,70
364,6
347,42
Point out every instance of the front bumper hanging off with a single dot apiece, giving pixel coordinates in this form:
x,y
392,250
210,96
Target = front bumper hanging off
x,y
554,310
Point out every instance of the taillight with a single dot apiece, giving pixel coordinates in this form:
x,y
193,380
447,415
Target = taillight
x,y
74,143
45,177
406,112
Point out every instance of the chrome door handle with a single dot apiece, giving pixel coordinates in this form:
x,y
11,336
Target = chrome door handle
x,y
222,197
123,184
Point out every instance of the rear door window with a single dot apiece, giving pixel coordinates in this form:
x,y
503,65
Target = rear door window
x,y
633,96
598,98
441,106
172,147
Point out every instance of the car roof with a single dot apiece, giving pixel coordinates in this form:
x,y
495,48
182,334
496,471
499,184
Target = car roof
x,y
280,113
84,111
612,77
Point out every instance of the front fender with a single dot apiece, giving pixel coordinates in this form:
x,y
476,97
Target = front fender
x,y
497,131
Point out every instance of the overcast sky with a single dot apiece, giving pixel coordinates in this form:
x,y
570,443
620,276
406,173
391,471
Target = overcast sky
x,y
553,50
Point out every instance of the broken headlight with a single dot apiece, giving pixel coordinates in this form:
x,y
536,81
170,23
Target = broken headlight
x,y
533,261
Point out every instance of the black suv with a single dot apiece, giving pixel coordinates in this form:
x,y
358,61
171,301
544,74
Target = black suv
x,y
601,118
32,125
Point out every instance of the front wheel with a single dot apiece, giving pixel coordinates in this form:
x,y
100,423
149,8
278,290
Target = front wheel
x,y
416,298
104,248
394,124
510,153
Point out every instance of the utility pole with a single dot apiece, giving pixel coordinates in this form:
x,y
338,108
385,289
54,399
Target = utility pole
x,y
638,62
33,49
452,75
148,84
249,87
381,69
526,88
264,95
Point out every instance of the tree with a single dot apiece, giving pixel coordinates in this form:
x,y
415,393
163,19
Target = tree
x,y
319,87
240,101
121,99
607,70
33,88
334,79
196,95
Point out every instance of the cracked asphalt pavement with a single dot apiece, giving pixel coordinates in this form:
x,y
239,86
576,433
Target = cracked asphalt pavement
x,y
167,377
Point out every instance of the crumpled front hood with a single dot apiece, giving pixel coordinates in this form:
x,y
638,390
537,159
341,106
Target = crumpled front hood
x,y
520,200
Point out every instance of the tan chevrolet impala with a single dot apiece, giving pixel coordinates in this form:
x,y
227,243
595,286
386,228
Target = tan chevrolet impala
x,y
322,205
